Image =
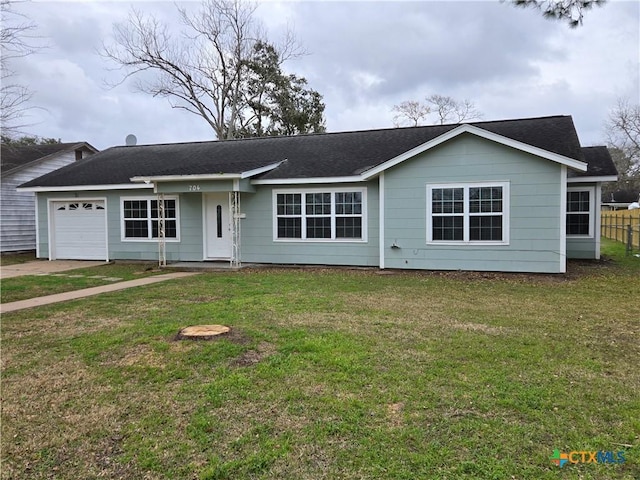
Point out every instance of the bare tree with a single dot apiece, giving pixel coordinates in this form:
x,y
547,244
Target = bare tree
x,y
450,110
623,128
16,37
572,11
623,138
411,112
205,71
445,108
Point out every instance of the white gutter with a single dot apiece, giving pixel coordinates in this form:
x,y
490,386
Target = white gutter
x,y
83,188
186,178
292,181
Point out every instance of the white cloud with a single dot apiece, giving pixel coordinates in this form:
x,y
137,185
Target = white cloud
x,y
364,58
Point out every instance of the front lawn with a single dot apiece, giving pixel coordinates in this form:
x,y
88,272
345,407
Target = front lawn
x,y
330,374
30,286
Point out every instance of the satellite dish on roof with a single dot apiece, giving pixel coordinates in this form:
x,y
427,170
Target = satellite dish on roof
x,y
131,140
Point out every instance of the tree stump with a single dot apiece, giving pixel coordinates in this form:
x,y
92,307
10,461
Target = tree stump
x,y
202,332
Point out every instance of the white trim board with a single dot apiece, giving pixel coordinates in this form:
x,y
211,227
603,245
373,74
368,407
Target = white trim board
x,y
311,180
606,178
84,188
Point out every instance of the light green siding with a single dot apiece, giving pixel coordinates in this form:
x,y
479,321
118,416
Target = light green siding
x,y
259,246
583,248
534,216
189,248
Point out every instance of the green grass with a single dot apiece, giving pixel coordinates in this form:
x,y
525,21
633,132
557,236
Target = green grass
x,y
330,374
30,286
17,258
616,252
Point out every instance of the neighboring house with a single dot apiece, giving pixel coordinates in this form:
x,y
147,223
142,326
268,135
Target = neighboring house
x,y
513,195
19,165
620,200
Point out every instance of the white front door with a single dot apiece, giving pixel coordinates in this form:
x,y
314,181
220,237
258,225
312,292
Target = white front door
x,y
217,226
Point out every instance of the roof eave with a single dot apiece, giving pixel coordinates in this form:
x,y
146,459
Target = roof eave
x,y
591,179
205,176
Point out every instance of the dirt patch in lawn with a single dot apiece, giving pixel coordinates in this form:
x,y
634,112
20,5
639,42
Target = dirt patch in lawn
x,y
394,412
255,355
574,271
63,324
138,355
479,327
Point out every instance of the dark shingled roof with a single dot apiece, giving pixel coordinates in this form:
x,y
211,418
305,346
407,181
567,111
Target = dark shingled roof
x,y
16,156
318,155
599,163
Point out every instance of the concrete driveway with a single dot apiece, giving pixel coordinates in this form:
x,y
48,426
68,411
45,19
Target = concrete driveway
x,y
45,266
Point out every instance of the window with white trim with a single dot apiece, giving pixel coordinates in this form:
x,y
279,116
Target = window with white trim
x,y
579,208
320,214
468,213
140,218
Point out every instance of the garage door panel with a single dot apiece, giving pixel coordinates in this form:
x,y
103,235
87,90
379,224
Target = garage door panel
x,y
79,230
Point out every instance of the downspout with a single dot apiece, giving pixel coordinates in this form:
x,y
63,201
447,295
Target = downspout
x,y
597,214
381,216
563,219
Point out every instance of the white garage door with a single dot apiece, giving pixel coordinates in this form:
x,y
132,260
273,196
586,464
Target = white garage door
x,y
79,230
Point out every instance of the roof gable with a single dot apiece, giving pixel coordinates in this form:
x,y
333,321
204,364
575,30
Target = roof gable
x,y
474,130
14,157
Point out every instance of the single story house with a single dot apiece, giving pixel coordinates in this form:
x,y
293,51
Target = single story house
x,y
19,164
513,195
620,200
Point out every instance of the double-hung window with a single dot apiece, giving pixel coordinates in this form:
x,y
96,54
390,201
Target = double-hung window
x,y
320,214
579,208
468,213
141,218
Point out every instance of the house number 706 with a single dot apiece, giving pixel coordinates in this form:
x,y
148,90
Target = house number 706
x,y
194,188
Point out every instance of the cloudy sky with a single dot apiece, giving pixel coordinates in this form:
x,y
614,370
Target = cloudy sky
x,y
364,57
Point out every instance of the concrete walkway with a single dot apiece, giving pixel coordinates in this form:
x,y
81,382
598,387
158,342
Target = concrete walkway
x,y
87,292
40,267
